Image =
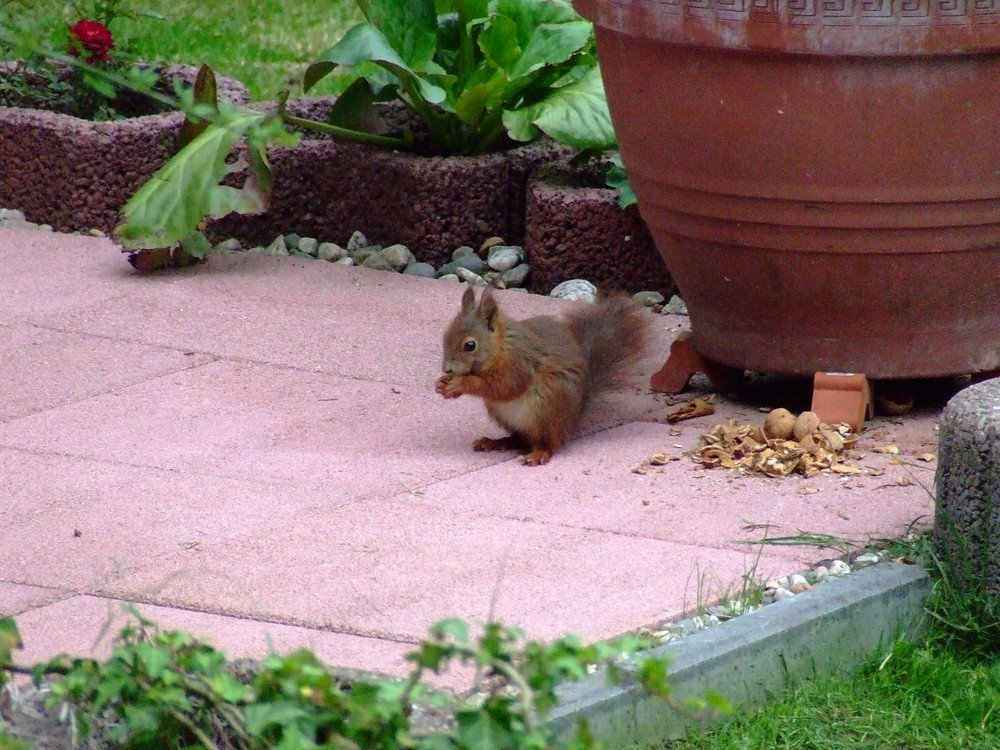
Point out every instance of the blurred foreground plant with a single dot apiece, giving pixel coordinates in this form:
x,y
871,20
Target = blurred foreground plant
x,y
163,689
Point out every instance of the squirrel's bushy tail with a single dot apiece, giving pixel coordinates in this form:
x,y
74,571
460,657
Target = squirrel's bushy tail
x,y
613,333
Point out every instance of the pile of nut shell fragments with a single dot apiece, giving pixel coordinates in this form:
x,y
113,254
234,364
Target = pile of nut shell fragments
x,y
783,445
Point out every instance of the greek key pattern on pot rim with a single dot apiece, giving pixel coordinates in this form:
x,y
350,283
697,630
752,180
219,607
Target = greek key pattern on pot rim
x,y
833,12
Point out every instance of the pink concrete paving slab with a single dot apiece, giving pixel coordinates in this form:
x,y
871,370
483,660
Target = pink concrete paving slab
x,y
259,422
391,568
53,368
311,477
16,598
590,485
77,523
49,275
76,626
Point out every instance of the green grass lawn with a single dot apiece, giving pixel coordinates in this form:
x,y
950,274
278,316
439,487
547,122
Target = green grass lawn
x,y
920,697
261,43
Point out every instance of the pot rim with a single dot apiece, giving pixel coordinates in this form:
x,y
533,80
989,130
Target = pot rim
x,y
809,27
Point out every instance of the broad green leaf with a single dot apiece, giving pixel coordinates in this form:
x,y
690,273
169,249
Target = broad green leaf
x,y
409,26
468,10
499,42
186,190
365,43
550,44
362,43
355,108
547,33
480,96
315,73
576,114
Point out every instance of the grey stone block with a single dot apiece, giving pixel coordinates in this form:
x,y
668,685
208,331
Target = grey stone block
x,y
828,630
967,517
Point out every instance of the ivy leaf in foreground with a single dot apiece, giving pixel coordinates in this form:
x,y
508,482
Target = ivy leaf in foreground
x,y
187,189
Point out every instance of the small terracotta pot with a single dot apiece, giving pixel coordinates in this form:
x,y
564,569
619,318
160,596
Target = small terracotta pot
x,y
822,178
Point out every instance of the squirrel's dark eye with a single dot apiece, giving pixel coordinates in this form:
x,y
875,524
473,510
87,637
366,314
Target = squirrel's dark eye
x,y
469,346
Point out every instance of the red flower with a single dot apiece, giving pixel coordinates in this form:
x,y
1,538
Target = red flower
x,y
94,37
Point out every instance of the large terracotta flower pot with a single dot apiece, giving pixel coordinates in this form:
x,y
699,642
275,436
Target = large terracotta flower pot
x,y
821,177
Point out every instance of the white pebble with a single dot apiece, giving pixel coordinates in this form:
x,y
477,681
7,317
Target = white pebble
x,y
781,594
839,568
504,257
820,573
278,247
308,245
473,278
330,251
575,289
865,559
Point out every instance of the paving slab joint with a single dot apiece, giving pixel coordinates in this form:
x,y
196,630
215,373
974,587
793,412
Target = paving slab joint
x,y
828,630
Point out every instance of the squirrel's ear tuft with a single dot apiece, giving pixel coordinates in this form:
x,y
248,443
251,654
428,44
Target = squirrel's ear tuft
x,y
488,308
468,299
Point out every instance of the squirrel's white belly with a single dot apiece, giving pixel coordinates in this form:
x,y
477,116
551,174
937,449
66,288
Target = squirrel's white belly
x,y
514,414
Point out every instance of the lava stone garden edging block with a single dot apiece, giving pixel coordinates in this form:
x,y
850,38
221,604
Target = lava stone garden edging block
x,y
75,174
967,516
329,189
574,228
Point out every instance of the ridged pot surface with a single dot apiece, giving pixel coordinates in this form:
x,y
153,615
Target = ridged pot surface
x,y
822,179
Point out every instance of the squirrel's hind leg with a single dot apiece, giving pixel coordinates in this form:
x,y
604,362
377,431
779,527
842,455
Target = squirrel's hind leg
x,y
532,454
513,442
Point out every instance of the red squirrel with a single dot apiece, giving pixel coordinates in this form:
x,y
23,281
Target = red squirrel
x,y
538,375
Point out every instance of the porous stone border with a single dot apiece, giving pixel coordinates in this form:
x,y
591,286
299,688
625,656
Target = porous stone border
x,y
967,517
574,228
826,631
74,174
329,189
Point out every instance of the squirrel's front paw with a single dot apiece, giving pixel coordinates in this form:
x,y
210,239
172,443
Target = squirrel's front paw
x,y
448,386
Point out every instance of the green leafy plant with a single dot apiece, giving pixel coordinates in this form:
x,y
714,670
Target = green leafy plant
x,y
475,76
164,689
475,73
